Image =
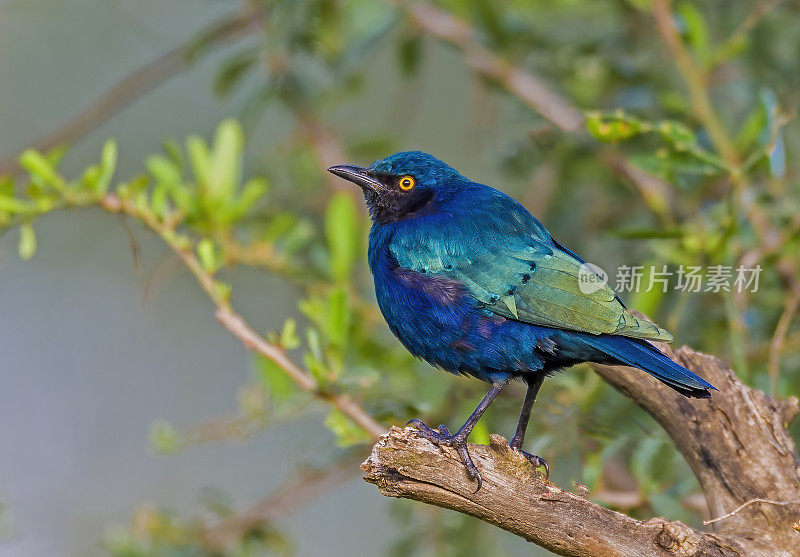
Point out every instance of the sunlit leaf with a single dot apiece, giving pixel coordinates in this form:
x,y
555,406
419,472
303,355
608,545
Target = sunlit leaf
x,y
346,431
342,229
164,439
207,254
226,161
41,169
696,30
27,241
274,379
108,164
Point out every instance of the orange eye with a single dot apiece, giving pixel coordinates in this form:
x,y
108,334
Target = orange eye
x,y
406,183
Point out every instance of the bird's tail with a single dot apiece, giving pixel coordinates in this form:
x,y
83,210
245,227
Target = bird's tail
x,y
643,355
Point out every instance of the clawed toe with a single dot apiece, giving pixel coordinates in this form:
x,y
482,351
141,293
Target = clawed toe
x,y
442,436
538,462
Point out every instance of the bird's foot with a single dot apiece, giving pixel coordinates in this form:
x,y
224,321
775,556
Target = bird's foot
x,y
442,436
537,461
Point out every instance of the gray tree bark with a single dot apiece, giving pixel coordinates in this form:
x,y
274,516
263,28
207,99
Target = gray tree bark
x,y
736,443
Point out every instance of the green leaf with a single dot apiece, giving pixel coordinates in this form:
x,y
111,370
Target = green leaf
x,y
41,169
164,439
288,337
678,134
158,201
233,71
696,33
252,191
27,241
347,432
173,150
7,188
343,235
751,128
199,159
207,254
223,290
274,379
108,165
168,177
90,177
226,160
16,206
314,343
771,133
338,318
409,54
614,127
55,154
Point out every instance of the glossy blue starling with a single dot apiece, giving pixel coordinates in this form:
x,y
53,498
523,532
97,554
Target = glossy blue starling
x,y
468,280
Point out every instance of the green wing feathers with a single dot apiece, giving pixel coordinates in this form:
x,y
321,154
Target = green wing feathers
x,y
535,283
553,296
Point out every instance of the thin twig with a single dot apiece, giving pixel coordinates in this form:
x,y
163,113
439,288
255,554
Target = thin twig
x,y
299,490
747,504
696,82
237,325
527,87
522,84
761,10
790,309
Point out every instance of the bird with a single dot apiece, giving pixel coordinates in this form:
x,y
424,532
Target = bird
x,y
470,281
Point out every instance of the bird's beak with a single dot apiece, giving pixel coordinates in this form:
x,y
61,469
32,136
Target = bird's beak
x,y
357,175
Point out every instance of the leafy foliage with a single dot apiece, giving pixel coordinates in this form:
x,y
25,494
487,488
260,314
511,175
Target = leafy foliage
x,y
660,177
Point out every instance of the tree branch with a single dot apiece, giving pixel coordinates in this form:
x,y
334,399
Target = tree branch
x,y
696,82
300,489
236,324
137,84
736,444
530,89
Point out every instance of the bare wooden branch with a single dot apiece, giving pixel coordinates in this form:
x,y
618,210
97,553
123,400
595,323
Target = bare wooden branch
x,y
736,444
236,324
343,402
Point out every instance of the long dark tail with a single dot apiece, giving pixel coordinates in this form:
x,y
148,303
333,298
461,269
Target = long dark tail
x,y
640,353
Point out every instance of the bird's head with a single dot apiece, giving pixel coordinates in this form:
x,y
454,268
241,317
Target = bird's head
x,y
401,185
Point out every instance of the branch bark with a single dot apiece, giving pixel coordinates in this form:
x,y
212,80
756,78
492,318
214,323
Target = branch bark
x,y
736,444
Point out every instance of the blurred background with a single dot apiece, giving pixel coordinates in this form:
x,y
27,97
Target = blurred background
x,y
132,423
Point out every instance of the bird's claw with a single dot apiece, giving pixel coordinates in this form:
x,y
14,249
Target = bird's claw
x,y
442,436
537,462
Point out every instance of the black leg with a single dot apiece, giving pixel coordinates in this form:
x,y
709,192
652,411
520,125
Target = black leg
x,y
458,440
525,414
522,425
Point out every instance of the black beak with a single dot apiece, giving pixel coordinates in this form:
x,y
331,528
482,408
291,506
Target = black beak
x,y
357,175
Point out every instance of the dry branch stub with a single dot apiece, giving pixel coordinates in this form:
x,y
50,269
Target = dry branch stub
x,y
737,445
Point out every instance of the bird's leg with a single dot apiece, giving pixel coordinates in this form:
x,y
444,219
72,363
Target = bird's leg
x,y
458,440
522,425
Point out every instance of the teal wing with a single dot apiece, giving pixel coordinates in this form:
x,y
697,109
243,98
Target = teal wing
x,y
527,278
